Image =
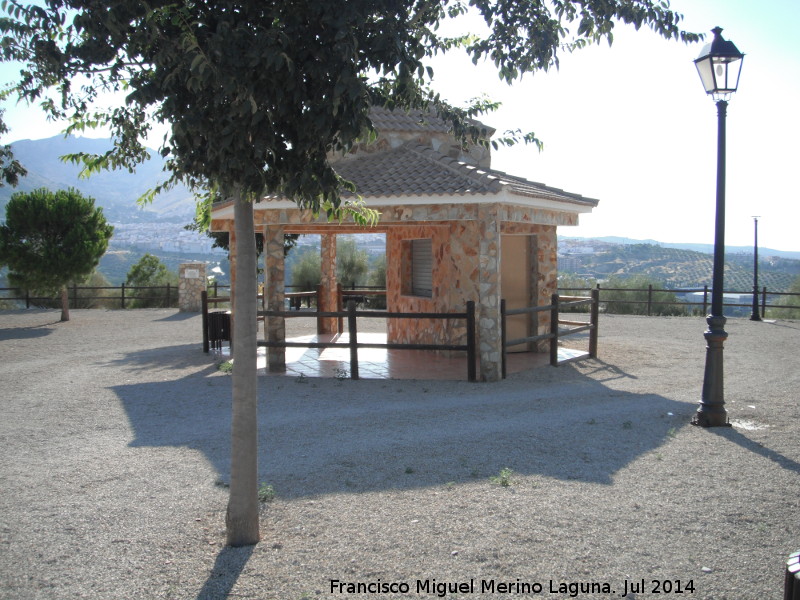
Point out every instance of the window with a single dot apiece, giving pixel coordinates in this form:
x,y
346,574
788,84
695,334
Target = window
x,y
422,268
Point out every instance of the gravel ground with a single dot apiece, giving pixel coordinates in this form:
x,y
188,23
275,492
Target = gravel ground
x,y
115,436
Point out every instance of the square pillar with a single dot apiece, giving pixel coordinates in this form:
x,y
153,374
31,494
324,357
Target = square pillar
x,y
191,285
488,317
329,296
547,273
274,292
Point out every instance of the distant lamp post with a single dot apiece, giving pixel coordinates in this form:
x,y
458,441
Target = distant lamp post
x,y
719,66
755,316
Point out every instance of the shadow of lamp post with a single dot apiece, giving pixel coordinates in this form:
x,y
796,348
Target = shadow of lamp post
x,y
719,66
755,316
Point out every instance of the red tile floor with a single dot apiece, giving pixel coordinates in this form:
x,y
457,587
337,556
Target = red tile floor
x,y
380,363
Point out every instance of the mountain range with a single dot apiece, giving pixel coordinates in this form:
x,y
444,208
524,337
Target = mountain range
x,y
115,191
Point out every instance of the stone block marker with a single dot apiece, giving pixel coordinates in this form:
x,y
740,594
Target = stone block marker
x,y
192,282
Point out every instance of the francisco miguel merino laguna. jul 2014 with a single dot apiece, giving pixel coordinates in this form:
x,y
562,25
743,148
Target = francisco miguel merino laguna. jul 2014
x,y
484,586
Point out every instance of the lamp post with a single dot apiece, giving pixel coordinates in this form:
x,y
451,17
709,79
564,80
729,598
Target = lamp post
x,y
719,66
755,316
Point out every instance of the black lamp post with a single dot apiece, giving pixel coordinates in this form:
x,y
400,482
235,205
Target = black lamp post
x,y
719,66
754,316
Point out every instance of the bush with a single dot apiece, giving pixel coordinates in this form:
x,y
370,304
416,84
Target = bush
x,y
629,296
150,272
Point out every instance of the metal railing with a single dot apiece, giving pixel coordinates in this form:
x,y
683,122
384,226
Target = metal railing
x,y
122,294
652,302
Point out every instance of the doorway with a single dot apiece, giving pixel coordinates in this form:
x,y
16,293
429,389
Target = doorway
x,y
518,285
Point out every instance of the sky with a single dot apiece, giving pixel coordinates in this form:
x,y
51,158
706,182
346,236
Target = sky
x,y
632,127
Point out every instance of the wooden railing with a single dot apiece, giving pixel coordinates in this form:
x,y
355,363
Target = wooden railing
x,y
557,304
354,345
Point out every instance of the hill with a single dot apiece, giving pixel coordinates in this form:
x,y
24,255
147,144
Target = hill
x,y
115,191
705,248
673,267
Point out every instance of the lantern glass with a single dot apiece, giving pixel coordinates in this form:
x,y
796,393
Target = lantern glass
x,y
719,66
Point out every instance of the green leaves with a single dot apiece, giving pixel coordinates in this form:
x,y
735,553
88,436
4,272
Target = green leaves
x,y
258,94
51,238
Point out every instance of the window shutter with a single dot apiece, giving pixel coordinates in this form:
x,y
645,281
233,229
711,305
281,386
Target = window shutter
x,y
422,267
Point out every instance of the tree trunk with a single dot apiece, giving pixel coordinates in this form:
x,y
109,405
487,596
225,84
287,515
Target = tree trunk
x,y
242,516
64,304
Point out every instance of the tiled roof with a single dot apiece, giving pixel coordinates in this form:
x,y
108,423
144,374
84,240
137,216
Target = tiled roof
x,y
417,170
385,120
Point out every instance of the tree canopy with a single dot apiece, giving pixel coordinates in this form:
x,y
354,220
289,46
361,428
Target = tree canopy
x,y
258,93
52,238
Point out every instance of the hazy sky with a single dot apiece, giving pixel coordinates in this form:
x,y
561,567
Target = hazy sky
x,y
632,127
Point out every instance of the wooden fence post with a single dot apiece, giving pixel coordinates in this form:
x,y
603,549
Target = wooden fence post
x,y
204,312
339,307
472,351
649,298
595,319
554,330
503,368
319,309
122,294
764,303
353,330
168,294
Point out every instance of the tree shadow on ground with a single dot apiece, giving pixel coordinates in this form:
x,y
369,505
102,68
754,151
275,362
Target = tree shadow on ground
x,y
328,436
27,333
227,568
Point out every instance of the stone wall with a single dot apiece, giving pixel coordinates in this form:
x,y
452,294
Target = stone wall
x,y
191,284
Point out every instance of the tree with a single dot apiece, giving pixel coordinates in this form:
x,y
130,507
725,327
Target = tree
x,y
258,94
150,272
631,296
51,238
352,264
307,271
794,301
10,169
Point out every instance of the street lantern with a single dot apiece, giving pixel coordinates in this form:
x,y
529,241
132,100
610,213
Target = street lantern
x,y
719,66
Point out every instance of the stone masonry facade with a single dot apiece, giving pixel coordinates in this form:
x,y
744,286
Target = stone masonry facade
x,y
466,266
191,284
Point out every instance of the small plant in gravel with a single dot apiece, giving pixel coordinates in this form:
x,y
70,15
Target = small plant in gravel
x,y
409,470
503,478
226,367
302,378
266,493
341,374
627,425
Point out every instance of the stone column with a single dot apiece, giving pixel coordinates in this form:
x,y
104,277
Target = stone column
x,y
547,264
328,282
191,284
274,291
489,335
